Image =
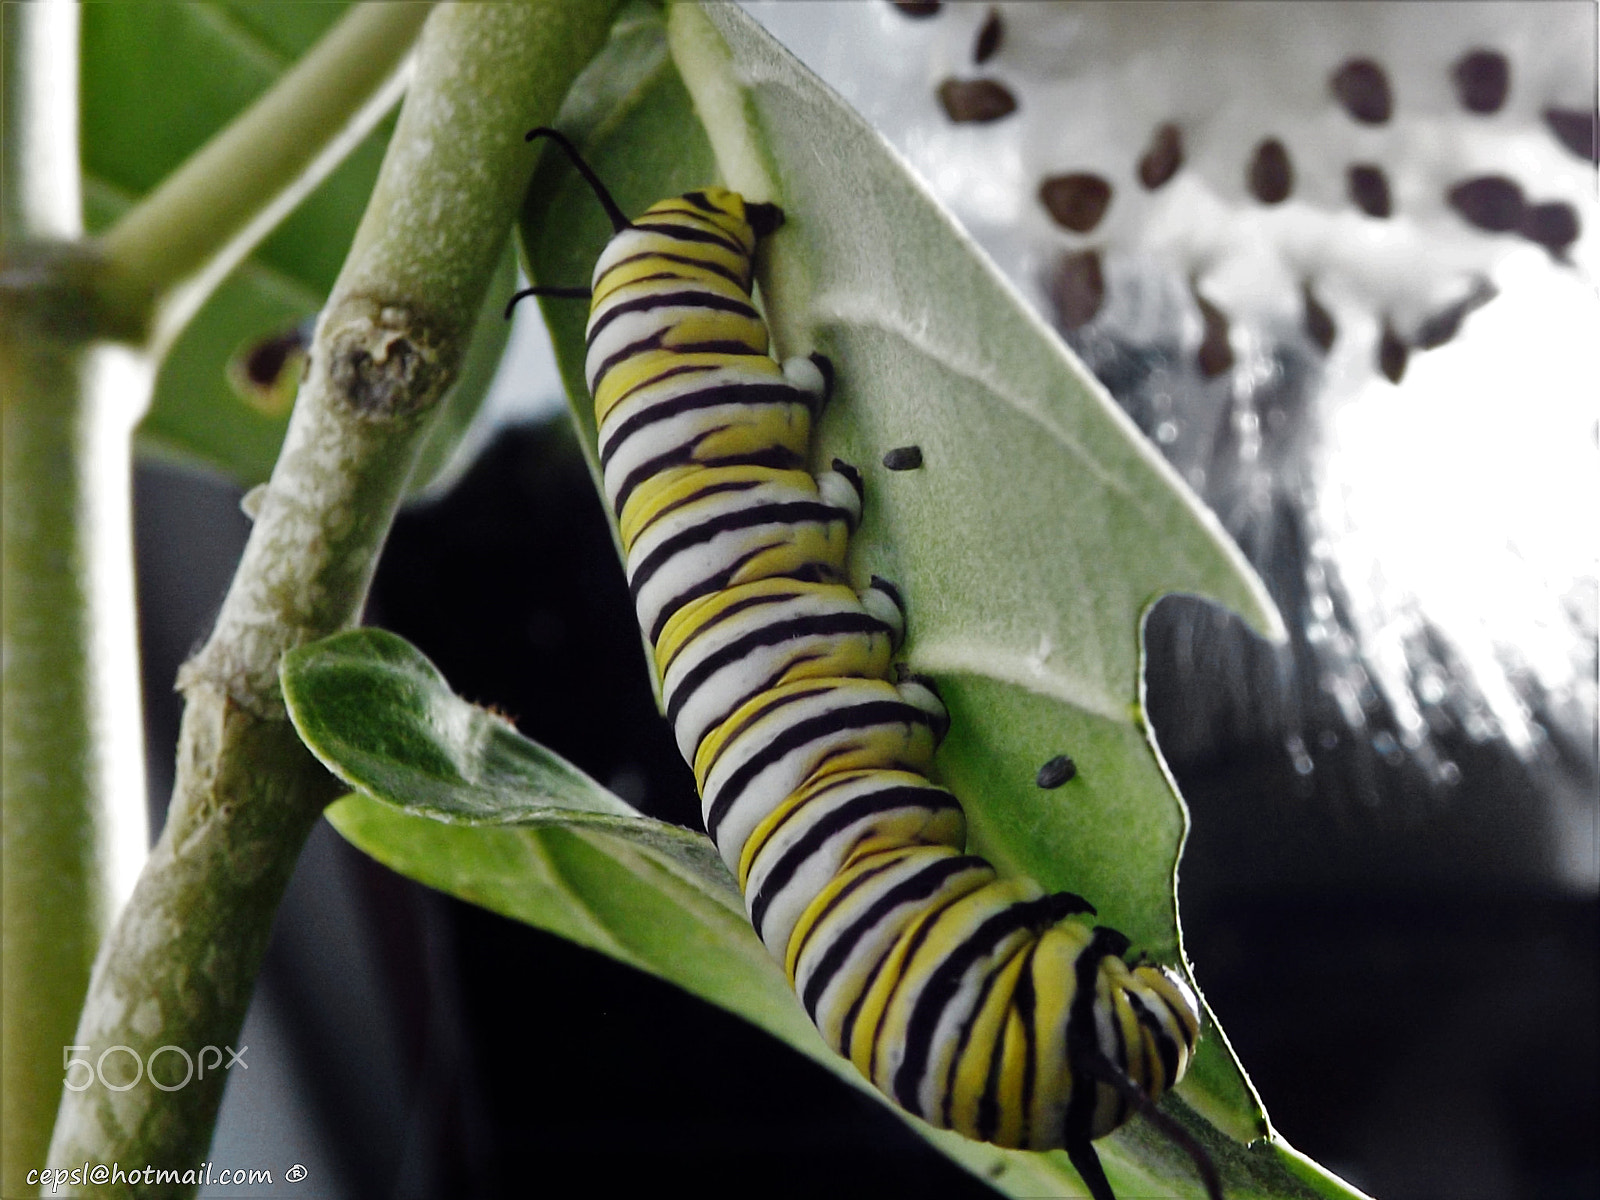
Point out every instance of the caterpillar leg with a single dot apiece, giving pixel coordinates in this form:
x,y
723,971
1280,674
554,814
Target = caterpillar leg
x,y
919,692
813,375
882,599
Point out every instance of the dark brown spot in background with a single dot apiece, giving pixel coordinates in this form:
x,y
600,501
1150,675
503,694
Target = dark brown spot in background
x,y
1489,202
264,362
1076,201
989,37
1363,89
1162,157
1554,225
1574,130
1369,189
1443,325
919,8
903,458
1077,288
1392,354
1482,79
1056,772
1271,176
967,100
1318,321
1216,354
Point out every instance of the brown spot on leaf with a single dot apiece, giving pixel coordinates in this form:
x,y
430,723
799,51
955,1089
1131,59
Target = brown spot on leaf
x,y
1077,288
918,8
1554,225
1318,321
1489,202
1162,157
1076,201
1575,130
1216,352
990,34
1482,79
1271,176
1392,354
1369,189
978,100
1363,89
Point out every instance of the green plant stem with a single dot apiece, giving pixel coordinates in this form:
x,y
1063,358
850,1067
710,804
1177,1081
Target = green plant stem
x,y
71,749
179,967
167,253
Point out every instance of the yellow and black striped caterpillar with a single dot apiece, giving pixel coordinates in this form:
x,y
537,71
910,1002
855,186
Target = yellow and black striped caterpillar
x,y
978,1003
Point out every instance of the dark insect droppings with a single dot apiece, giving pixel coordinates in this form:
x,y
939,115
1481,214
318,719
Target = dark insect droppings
x,y
1554,226
1216,352
1369,189
1057,771
1363,89
1482,79
903,458
919,8
1271,176
1077,288
1162,157
1489,202
1392,354
1574,130
1076,201
977,100
1318,321
989,37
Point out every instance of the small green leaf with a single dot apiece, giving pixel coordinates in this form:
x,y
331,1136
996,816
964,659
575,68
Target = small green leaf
x,y
158,80
379,715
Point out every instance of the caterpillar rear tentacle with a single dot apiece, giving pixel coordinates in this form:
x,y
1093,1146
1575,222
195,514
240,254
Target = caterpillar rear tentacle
x,y
978,1003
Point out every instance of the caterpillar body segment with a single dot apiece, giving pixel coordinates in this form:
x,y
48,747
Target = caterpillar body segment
x,y
978,1003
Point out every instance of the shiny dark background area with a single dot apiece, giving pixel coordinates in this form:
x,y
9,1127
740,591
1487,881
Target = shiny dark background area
x,y
1409,986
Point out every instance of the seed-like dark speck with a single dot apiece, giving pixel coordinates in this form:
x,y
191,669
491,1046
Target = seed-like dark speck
x,y
1271,176
1575,130
1057,771
976,100
1076,201
1318,321
1369,189
1482,79
1490,202
989,37
1363,89
1554,225
1077,288
1392,354
903,458
1162,157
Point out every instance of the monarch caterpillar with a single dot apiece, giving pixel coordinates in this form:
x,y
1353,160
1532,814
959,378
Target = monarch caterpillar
x,y
980,1004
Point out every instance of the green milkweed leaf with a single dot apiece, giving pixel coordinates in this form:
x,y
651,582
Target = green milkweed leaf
x,y
379,715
